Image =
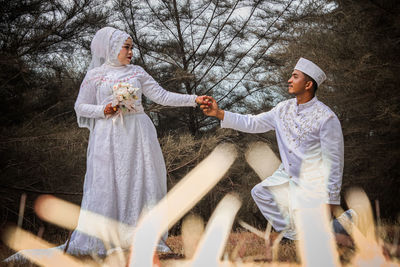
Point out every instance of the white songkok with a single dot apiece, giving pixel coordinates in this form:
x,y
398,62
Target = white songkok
x,y
312,70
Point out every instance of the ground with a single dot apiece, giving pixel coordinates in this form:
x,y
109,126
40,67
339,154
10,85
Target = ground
x,y
243,246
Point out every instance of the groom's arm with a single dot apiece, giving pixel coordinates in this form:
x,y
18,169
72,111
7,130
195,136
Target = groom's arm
x,y
260,123
245,123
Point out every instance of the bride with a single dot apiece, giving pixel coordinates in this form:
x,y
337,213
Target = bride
x,y
125,167
125,172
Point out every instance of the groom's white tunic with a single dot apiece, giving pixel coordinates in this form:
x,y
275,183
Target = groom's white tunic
x,y
306,133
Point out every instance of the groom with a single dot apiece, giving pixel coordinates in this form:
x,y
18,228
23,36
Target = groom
x,y
306,130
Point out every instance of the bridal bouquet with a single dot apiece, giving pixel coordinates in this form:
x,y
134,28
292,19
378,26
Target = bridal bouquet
x,y
124,95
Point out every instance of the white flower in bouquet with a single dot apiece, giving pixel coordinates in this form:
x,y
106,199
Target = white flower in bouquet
x,y
124,95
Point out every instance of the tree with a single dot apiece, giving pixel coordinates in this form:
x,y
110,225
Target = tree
x,y
37,38
208,47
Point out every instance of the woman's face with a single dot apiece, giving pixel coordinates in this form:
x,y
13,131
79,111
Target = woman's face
x,y
125,55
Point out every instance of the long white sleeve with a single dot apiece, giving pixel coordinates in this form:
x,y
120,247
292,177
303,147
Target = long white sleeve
x,y
250,123
156,93
86,107
332,148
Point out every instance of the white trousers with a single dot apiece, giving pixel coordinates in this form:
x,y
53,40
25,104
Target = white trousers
x,y
279,198
275,204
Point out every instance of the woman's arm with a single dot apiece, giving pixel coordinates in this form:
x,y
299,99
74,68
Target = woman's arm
x,y
156,93
86,105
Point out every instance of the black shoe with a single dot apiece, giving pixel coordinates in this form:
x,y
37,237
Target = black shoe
x,y
286,241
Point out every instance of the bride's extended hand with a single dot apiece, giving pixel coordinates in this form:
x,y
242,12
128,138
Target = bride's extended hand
x,y
201,99
110,110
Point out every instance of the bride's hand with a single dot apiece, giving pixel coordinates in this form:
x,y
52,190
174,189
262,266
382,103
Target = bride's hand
x,y
201,100
110,110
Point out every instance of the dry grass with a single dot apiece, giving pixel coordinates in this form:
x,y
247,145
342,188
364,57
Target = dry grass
x,y
51,158
248,247
245,245
46,157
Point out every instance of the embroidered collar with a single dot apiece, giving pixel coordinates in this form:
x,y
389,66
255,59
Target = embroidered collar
x,y
307,104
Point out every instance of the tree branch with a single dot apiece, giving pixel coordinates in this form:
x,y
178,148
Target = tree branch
x,y
226,47
257,59
162,22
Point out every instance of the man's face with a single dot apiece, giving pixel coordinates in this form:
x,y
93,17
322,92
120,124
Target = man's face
x,y
297,83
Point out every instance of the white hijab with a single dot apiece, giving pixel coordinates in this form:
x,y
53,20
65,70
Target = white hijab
x,y
105,47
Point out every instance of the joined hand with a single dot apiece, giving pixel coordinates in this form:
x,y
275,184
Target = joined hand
x,y
210,108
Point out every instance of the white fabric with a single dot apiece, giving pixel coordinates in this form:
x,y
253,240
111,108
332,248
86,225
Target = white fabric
x,y
125,167
280,204
105,47
307,134
308,67
276,203
117,40
125,171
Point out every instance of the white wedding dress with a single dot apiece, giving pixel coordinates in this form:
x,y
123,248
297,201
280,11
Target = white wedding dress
x,y
125,171
125,167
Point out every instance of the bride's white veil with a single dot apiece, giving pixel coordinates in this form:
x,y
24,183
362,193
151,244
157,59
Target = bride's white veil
x,y
106,45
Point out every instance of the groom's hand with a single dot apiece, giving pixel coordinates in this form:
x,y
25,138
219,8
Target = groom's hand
x,y
210,108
